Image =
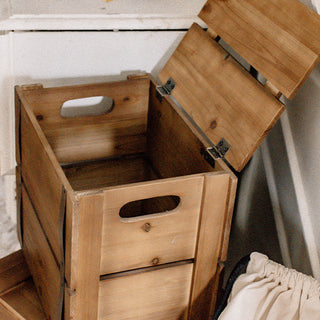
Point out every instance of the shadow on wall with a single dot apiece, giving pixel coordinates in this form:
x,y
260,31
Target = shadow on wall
x,y
253,227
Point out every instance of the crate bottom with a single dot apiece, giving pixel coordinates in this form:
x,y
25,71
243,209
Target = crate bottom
x,y
109,172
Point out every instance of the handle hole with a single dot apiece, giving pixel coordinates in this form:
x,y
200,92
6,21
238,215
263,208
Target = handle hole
x,y
91,106
148,206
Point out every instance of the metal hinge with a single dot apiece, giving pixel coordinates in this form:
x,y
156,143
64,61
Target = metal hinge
x,y
165,89
220,150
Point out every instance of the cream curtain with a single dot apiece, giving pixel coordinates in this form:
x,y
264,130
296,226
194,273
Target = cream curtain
x,y
269,291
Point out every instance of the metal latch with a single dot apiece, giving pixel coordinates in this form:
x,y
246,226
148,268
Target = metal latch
x,y
166,89
220,150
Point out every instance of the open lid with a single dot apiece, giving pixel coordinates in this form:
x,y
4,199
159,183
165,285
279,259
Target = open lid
x,y
279,38
224,100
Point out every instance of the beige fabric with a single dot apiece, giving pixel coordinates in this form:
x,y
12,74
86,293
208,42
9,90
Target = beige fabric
x,y
269,291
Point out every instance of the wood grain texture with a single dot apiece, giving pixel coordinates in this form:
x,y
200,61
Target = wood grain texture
x,y
8,313
109,172
212,228
88,256
13,270
172,235
122,131
19,205
43,184
41,261
156,295
228,217
173,148
221,97
71,256
25,301
276,37
17,127
18,296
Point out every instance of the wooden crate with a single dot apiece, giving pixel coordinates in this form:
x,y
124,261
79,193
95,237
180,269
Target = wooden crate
x,y
18,296
126,214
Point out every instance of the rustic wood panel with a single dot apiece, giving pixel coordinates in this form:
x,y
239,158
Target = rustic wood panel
x,y
160,294
228,218
25,301
13,270
122,131
276,37
171,236
88,256
221,97
215,213
173,148
109,172
41,261
8,313
42,182
71,256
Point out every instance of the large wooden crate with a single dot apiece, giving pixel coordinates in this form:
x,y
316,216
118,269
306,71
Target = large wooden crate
x,y
126,214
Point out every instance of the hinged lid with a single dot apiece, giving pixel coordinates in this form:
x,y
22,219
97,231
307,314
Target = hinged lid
x,y
280,38
222,99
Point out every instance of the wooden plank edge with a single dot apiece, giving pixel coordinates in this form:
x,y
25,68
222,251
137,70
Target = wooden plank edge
x,y
10,264
197,297
233,181
259,141
43,140
305,76
6,310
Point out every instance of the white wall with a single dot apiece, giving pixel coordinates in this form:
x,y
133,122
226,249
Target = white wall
x,y
294,149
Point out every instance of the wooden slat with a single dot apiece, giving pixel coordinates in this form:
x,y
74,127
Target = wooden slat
x,y
18,205
25,301
221,97
156,295
8,313
17,127
71,256
178,156
215,213
280,38
88,256
106,173
122,131
228,218
40,260
171,236
13,270
42,182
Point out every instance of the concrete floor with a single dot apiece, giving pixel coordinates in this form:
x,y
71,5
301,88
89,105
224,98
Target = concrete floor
x,y
8,230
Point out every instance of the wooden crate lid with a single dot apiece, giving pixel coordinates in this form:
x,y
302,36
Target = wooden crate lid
x,y
223,99
280,38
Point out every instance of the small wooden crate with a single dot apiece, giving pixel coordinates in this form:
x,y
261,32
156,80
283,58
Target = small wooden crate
x,y
126,215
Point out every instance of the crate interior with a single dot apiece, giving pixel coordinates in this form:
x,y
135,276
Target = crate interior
x,y
141,138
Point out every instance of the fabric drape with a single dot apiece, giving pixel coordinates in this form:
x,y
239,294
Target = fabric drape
x,y
270,291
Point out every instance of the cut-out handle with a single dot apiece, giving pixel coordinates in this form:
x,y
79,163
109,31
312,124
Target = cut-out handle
x,y
149,206
91,106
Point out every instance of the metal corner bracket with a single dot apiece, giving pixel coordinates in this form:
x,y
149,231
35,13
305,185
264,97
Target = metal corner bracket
x,y
166,89
219,151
